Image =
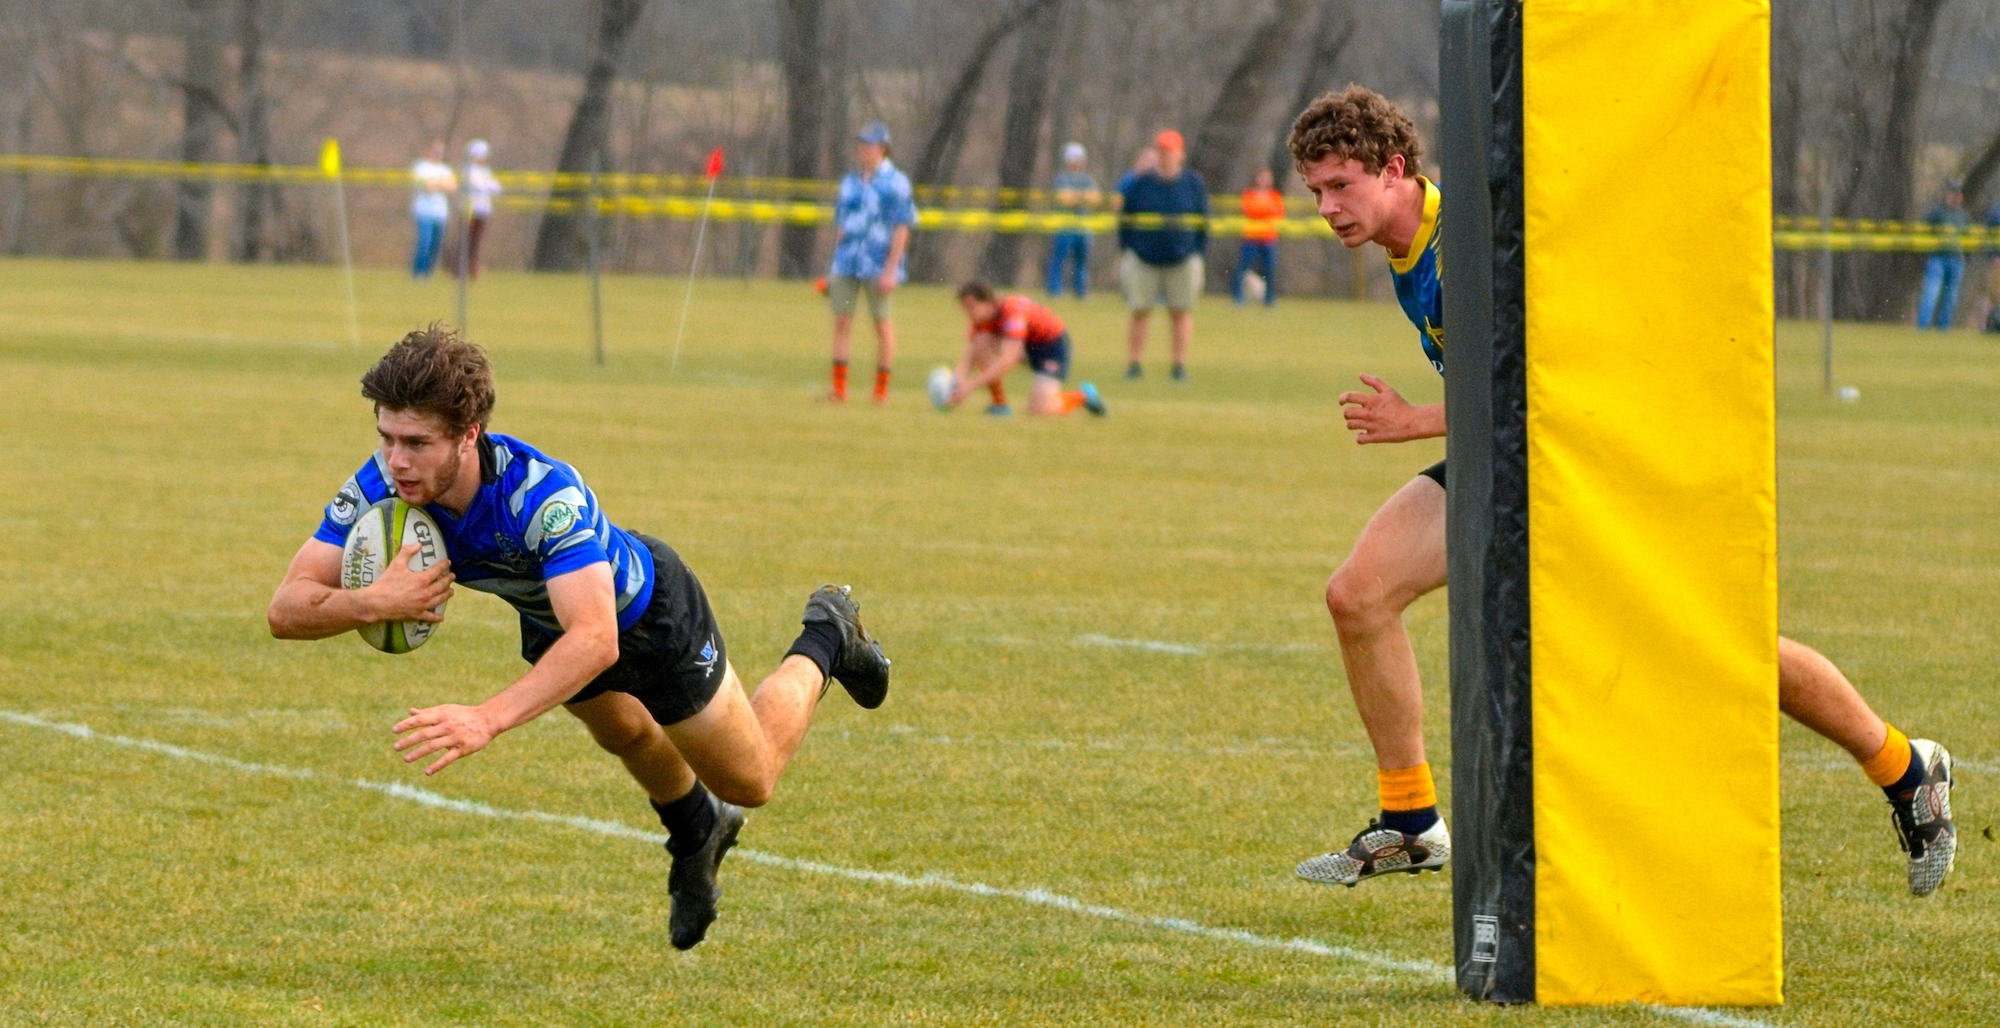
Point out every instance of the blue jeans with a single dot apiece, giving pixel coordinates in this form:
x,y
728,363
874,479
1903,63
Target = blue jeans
x,y
1264,255
1070,246
430,240
1941,275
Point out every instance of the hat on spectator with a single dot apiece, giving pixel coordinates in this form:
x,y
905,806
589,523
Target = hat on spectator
x,y
476,149
873,132
1073,153
1170,140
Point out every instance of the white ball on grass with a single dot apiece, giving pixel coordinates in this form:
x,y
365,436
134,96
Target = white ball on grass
x,y
940,387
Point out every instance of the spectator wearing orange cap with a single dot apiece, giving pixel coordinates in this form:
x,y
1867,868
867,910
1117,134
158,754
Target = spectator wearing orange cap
x,y
1263,209
1163,234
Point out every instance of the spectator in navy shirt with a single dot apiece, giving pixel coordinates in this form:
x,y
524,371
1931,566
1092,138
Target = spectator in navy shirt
x,y
1162,236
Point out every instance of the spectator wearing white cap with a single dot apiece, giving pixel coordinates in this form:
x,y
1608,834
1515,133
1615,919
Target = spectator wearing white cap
x,y
480,189
1076,193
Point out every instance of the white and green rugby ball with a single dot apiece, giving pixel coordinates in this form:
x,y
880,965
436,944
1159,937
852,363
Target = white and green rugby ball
x,y
378,535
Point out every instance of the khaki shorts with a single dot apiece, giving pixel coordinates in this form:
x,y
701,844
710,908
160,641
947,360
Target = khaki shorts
x,y
1176,285
842,291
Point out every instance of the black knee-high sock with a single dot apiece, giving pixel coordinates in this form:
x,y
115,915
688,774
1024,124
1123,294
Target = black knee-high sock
x,y
688,820
818,642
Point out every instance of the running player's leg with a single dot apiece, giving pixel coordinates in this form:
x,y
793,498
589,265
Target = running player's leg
x,y
1915,775
1399,557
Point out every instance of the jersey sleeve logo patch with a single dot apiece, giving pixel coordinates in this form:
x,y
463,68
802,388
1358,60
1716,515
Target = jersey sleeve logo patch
x,y
557,519
346,504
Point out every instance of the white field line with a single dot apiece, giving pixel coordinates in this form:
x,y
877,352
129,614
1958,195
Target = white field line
x,y
1189,649
1425,969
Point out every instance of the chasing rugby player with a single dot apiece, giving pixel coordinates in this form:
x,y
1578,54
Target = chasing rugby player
x,y
1359,155
616,628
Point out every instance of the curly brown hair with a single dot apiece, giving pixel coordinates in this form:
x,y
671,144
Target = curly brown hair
x,y
1357,124
432,371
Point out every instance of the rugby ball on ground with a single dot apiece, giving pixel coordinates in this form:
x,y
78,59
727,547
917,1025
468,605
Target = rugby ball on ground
x,y
940,386
378,535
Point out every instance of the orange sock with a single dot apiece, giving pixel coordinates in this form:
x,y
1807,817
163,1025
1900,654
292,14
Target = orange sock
x,y
881,384
1071,400
999,393
1408,788
1888,766
840,380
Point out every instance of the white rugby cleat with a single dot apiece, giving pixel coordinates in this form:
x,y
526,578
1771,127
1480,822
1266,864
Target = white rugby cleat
x,y
1923,823
1380,850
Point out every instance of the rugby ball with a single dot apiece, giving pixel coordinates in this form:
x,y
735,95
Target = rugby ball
x,y
940,387
1254,287
378,535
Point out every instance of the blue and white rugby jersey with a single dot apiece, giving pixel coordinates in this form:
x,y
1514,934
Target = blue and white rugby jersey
x,y
1419,278
531,520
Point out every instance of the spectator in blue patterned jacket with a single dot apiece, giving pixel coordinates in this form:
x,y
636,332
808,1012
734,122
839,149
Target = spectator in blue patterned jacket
x,y
874,213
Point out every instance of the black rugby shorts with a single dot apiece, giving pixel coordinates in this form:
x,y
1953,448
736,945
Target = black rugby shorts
x,y
672,659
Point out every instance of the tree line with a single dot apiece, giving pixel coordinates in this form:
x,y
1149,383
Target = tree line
x,y
1874,104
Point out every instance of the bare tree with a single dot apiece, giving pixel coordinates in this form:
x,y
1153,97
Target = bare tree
x,y
1226,128
838,119
1021,138
937,161
559,244
203,118
1335,29
1787,113
802,40
1886,146
1980,171
253,143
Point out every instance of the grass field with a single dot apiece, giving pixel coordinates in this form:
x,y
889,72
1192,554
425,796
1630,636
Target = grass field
x,y
1116,697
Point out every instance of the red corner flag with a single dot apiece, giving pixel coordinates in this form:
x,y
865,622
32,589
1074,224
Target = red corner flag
x,y
715,162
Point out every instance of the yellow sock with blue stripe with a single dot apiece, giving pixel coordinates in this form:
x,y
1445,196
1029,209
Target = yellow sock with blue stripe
x,y
1409,798
1894,767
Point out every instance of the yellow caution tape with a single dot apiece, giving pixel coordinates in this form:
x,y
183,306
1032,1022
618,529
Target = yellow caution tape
x,y
804,202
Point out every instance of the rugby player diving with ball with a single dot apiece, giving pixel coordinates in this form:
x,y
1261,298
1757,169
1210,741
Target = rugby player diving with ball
x,y
616,629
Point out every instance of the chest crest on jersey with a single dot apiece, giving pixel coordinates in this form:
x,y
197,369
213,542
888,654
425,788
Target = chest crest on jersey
x,y
512,557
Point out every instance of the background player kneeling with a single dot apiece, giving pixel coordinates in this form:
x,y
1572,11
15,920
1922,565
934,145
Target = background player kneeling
x,y
617,629
1007,330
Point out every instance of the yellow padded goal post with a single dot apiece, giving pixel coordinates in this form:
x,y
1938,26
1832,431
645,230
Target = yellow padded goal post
x,y
1613,500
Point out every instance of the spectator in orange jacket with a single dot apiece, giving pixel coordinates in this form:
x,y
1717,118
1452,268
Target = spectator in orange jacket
x,y
1264,207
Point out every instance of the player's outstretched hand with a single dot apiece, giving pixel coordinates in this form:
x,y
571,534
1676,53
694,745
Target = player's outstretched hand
x,y
405,595
887,283
456,729
1383,416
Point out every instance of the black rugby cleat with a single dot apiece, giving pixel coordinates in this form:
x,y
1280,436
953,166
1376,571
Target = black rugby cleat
x,y
859,667
691,883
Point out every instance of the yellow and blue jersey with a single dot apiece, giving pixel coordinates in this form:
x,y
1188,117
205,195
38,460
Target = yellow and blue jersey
x,y
531,520
1419,278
